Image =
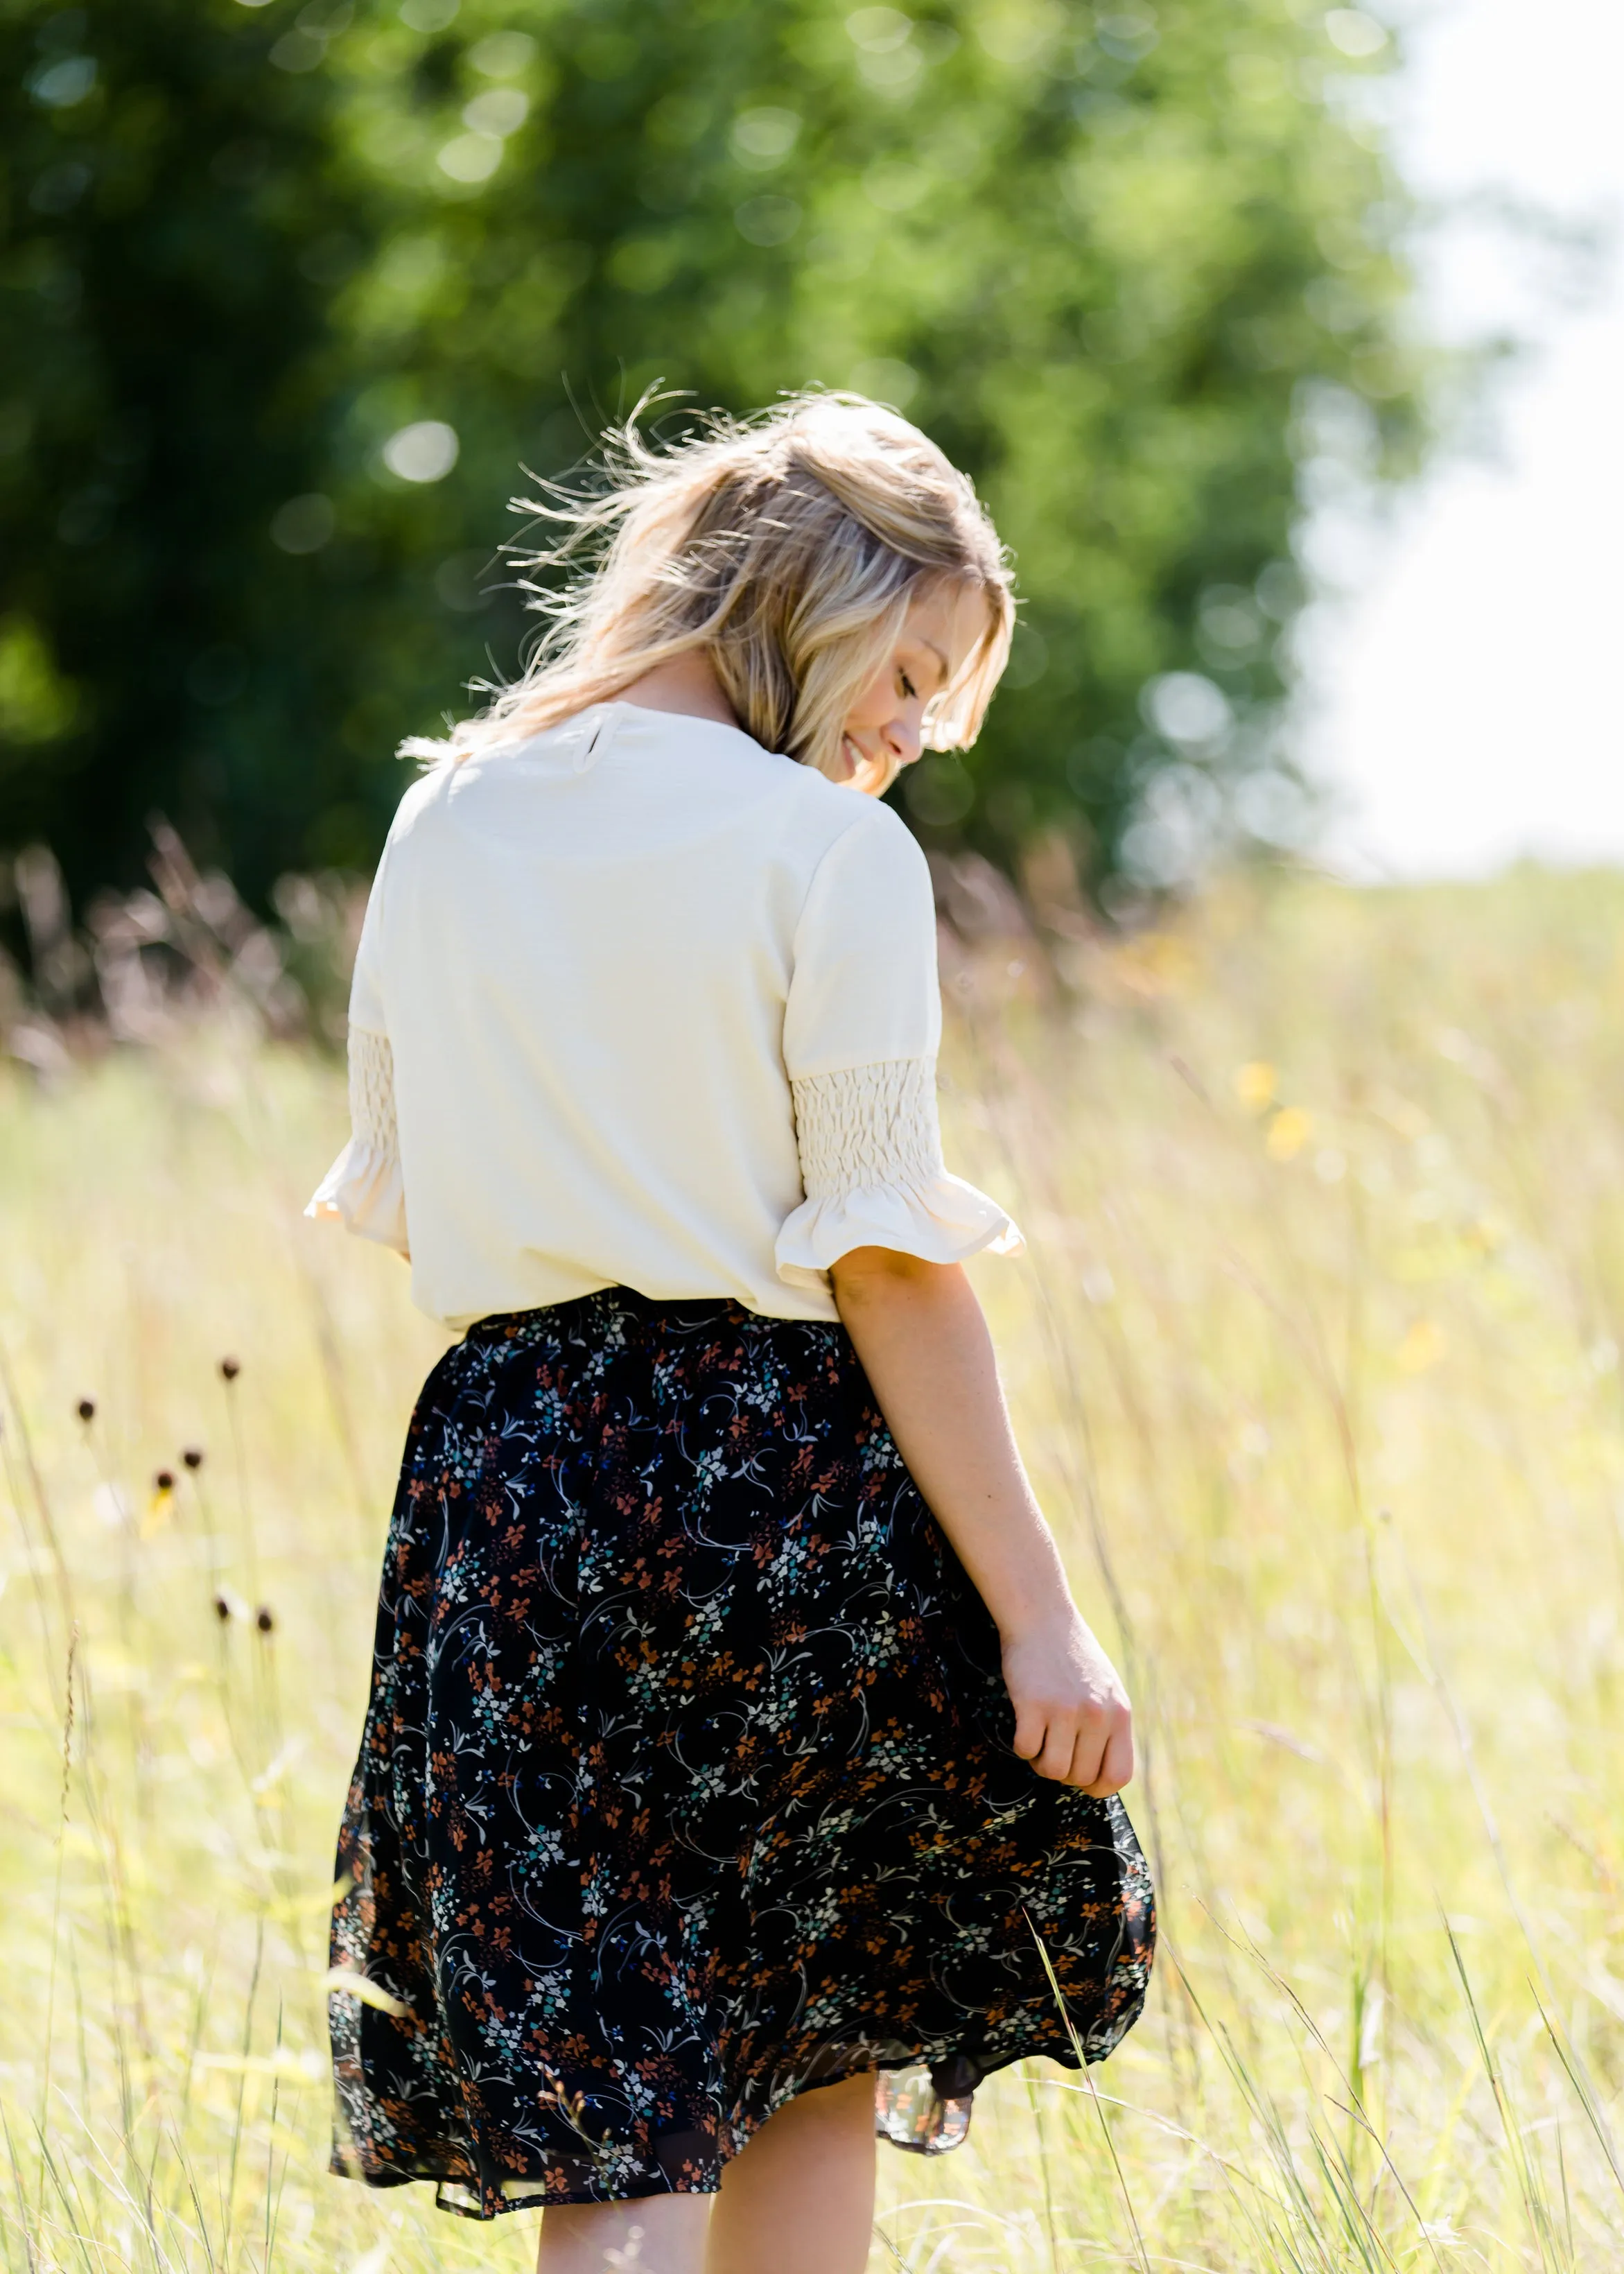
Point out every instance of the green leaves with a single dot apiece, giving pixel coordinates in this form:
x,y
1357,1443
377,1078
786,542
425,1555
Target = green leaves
x,y
261,262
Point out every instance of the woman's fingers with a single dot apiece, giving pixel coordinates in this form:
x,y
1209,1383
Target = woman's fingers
x,y
1114,1767
1059,1748
1031,1729
1092,1751
1046,1738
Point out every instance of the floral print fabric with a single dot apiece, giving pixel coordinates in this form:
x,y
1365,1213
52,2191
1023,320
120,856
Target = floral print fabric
x,y
686,1782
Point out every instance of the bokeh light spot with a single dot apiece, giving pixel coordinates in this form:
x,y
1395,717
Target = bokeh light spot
x,y
59,85
1287,1133
1255,1084
1188,709
471,157
768,221
765,136
305,523
1352,33
499,111
298,50
502,55
1018,32
459,583
1422,1347
938,790
890,70
878,30
1128,35
426,451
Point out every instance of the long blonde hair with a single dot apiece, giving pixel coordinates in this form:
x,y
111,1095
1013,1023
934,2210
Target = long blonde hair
x,y
786,548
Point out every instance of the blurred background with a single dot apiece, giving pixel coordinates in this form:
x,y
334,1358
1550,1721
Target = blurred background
x,y
298,289
1461,689
1284,342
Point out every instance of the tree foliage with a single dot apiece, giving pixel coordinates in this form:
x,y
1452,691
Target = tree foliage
x,y
293,292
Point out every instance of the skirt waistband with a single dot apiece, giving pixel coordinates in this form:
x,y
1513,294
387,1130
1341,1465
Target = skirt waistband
x,y
687,1312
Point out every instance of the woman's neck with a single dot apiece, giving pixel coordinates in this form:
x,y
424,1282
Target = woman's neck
x,y
688,685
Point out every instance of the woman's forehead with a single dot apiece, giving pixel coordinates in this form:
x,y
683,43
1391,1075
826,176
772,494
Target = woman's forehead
x,y
947,616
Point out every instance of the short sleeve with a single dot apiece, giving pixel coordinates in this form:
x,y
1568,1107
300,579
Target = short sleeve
x,y
366,1000
364,1189
862,1029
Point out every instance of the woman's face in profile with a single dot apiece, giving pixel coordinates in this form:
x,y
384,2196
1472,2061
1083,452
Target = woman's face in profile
x,y
885,728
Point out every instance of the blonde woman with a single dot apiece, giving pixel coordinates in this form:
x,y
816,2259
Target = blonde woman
x,y
735,1739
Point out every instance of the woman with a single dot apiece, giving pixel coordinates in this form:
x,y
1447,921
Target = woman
x,y
734,1740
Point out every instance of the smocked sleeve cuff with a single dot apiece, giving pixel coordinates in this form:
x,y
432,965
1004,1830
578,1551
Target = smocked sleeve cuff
x,y
871,1164
364,1189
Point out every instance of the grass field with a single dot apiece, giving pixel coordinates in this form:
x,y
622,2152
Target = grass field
x,y
1316,1357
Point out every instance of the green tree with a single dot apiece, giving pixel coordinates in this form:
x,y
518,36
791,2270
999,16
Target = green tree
x,y
298,289
160,189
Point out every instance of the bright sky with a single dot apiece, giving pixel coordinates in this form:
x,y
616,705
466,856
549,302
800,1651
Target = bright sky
x,y
1469,688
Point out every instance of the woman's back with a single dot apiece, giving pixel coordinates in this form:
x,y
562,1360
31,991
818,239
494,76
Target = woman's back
x,y
600,971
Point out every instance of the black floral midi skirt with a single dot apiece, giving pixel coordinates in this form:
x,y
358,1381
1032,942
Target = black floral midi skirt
x,y
687,1782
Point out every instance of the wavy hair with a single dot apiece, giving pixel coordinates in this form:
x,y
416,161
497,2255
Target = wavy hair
x,y
786,548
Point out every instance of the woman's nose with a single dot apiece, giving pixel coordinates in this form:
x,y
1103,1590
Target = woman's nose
x,y
903,738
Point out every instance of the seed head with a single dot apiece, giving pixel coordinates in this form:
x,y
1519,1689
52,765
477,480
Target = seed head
x,y
229,1368
222,1610
263,1619
193,1457
87,1409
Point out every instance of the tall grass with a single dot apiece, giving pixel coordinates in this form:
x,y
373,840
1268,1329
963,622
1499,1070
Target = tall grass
x,y
1316,1358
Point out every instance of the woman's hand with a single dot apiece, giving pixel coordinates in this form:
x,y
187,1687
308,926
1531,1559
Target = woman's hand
x,y
919,1331
1072,1719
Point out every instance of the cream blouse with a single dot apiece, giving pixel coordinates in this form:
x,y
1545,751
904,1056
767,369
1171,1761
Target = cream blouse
x,y
639,1003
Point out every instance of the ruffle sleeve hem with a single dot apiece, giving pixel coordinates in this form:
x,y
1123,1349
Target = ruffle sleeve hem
x,y
365,1190
942,1221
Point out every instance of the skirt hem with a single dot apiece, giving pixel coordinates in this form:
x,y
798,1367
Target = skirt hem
x,y
534,2197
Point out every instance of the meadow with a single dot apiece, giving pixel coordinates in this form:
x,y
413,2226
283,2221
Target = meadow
x,y
1316,1356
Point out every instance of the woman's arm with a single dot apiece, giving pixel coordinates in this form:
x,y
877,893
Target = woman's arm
x,y
919,1331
